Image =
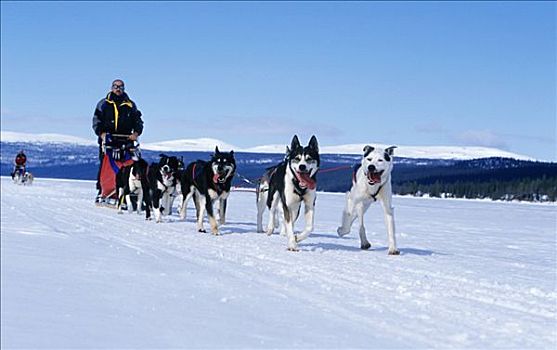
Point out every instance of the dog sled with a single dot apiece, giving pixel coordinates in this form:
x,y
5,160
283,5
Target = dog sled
x,y
20,176
118,151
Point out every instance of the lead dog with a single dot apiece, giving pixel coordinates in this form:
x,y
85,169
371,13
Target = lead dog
x,y
132,179
290,183
208,182
371,182
162,184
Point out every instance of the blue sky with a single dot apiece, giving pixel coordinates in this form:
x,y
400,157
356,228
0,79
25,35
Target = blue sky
x,y
250,73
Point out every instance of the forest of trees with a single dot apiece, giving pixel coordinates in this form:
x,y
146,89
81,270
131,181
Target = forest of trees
x,y
495,178
527,189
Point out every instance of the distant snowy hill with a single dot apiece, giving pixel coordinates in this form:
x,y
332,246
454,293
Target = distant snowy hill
x,y
422,152
17,137
208,145
201,145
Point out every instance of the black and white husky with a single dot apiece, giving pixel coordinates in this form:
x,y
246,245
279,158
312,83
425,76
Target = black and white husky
x,y
132,180
371,182
287,185
208,182
162,184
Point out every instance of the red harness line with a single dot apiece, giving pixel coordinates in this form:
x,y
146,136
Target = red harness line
x,y
336,168
342,167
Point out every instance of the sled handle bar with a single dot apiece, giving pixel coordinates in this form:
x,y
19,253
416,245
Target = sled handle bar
x,y
129,149
121,135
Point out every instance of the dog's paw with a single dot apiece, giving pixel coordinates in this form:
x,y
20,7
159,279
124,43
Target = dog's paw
x,y
293,249
292,244
269,232
149,218
394,252
341,232
365,246
202,230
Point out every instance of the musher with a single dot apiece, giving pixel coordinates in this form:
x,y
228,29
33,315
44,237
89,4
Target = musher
x,y
115,114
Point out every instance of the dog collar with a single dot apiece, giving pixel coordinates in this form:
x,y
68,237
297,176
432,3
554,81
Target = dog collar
x,y
376,193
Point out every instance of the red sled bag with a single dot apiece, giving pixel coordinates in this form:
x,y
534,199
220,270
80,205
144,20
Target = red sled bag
x,y
118,152
109,169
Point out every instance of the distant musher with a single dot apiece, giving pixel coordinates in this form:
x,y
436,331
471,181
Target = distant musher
x,y
20,175
19,165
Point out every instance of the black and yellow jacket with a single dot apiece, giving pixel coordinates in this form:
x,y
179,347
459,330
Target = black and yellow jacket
x,y
117,115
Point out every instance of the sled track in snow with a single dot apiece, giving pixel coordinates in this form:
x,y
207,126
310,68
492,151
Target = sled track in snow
x,y
434,297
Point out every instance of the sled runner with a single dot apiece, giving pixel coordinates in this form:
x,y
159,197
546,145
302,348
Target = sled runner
x,y
118,152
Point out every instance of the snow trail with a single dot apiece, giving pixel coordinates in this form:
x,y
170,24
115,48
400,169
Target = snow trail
x,y
471,274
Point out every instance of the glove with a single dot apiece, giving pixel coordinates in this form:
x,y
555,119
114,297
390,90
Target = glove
x,y
108,138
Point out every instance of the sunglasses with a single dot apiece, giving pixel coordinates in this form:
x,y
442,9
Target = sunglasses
x,y
118,87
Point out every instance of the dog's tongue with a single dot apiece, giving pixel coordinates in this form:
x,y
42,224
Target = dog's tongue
x,y
305,180
374,177
216,178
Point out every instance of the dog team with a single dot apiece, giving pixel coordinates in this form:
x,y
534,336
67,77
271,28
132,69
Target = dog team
x,y
282,189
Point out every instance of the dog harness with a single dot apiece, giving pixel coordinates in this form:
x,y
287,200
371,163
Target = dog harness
x,y
195,174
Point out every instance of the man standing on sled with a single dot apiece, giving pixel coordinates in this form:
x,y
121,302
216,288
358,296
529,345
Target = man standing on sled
x,y
115,114
19,166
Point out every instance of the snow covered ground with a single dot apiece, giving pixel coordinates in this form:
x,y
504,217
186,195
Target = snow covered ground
x,y
472,274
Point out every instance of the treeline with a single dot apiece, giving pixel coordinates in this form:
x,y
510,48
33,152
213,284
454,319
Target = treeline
x,y
542,189
495,178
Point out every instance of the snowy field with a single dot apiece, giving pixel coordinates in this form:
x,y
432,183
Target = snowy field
x,y
471,274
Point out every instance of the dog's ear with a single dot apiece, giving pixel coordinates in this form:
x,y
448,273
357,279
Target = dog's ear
x,y
367,150
313,143
231,152
217,150
287,153
390,150
295,143
162,155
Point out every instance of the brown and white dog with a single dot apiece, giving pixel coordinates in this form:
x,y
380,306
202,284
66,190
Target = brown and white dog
x,y
371,182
